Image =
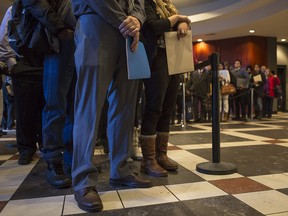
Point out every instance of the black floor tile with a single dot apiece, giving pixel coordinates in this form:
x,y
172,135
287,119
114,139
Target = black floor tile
x,y
252,160
36,186
185,128
181,176
185,139
273,134
240,126
284,191
218,206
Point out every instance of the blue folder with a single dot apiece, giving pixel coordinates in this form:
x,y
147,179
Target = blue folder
x,y
137,62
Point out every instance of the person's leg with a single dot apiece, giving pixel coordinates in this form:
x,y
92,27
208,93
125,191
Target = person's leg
x,y
155,91
225,107
28,96
58,76
260,106
4,111
10,111
163,128
196,108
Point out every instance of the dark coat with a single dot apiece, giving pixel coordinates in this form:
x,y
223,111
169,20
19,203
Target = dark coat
x,y
199,86
152,29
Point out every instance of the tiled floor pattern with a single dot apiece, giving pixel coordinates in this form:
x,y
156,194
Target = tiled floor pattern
x,y
259,149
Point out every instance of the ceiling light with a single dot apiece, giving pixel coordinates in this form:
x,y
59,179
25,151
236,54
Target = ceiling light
x,y
283,40
252,31
199,40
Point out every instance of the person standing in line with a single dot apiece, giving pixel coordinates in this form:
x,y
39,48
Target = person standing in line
x,y
161,89
199,86
58,86
242,83
101,69
224,105
258,80
269,93
27,78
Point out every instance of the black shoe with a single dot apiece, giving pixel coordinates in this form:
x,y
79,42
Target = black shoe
x,y
88,199
55,175
132,181
25,159
236,119
2,133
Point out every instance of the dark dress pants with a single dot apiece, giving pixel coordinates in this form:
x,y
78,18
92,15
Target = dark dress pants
x,y
101,70
160,94
29,101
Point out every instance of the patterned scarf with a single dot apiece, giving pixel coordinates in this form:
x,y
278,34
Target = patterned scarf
x,y
165,8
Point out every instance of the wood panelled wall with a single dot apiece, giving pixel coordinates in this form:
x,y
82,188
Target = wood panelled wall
x,y
250,50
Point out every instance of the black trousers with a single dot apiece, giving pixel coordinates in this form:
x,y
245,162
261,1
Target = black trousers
x,y
160,93
241,102
29,102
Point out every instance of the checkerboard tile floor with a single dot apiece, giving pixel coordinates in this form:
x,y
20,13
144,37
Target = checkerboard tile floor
x,y
259,149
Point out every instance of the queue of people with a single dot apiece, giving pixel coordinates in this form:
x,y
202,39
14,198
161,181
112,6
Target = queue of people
x,y
262,81
84,65
61,95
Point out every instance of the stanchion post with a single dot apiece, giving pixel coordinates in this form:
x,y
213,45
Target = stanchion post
x,y
216,167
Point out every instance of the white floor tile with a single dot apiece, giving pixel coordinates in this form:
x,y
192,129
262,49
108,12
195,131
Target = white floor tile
x,y
7,192
266,202
275,181
47,206
193,146
280,214
7,139
147,196
282,144
70,206
14,163
12,180
110,200
5,157
181,156
196,190
186,159
8,168
217,177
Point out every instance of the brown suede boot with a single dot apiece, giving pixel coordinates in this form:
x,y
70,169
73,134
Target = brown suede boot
x,y
161,152
148,164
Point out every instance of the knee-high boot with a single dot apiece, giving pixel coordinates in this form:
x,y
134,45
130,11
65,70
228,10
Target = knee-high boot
x,y
161,151
149,163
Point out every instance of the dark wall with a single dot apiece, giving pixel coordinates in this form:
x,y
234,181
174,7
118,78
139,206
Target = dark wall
x,y
249,49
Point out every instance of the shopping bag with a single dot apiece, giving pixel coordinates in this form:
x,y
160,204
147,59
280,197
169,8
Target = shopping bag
x,y
179,53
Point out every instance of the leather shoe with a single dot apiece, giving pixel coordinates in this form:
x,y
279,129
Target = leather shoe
x,y
88,199
25,159
132,181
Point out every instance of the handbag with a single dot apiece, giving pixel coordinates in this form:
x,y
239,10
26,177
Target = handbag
x,y
228,89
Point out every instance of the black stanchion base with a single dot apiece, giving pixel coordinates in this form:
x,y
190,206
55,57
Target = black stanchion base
x,y
222,168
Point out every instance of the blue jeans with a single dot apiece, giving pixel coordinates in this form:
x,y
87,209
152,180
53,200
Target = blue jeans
x,y
8,109
58,114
